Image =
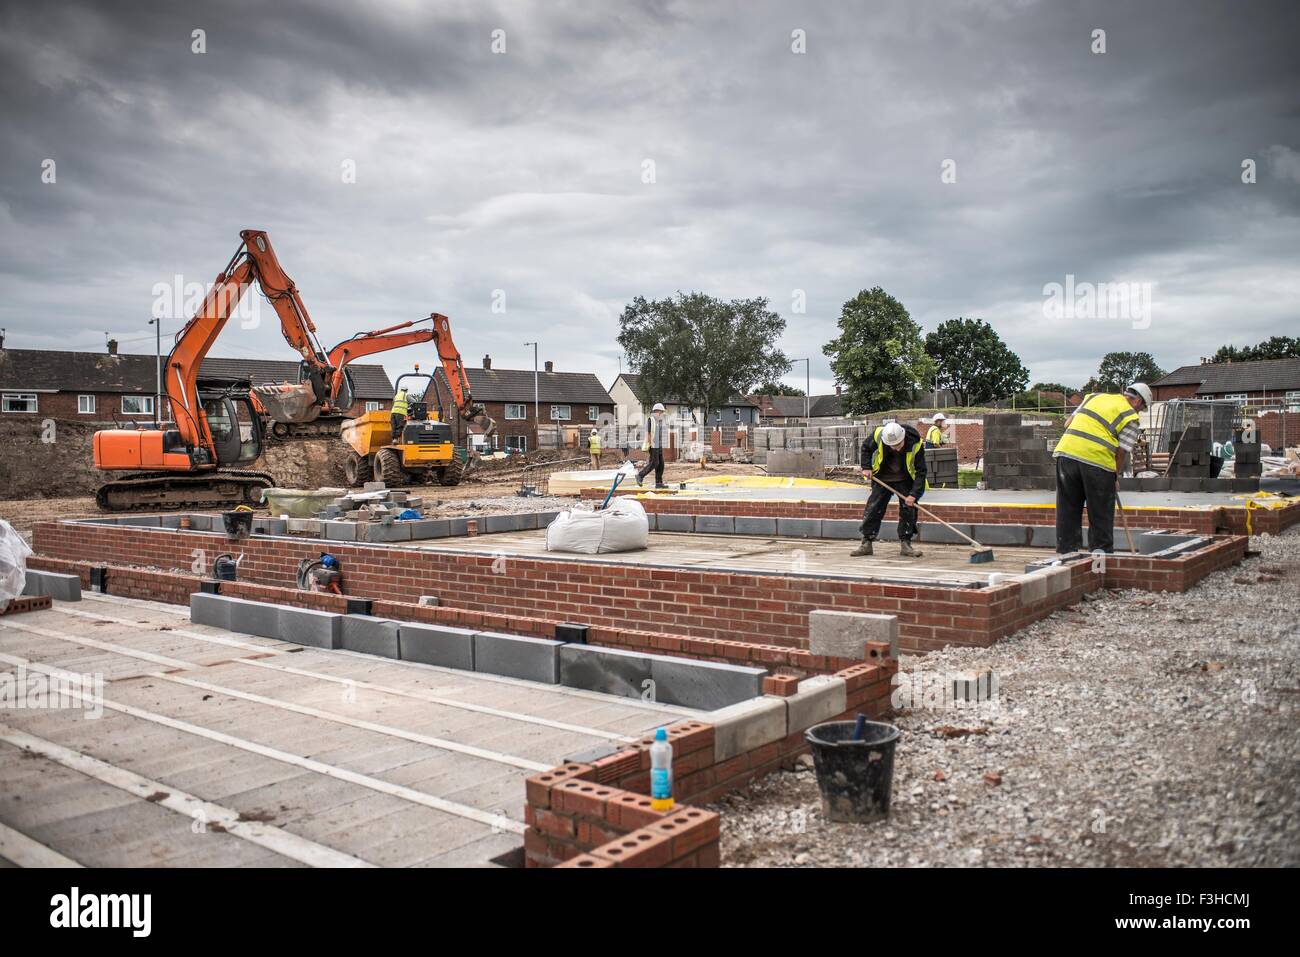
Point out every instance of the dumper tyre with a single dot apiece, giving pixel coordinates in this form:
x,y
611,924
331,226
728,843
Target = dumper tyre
x,y
452,473
388,468
356,470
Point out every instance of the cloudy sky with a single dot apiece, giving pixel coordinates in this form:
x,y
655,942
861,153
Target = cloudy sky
x,y
775,173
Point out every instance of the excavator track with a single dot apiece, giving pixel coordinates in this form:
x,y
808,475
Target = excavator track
x,y
167,490
327,426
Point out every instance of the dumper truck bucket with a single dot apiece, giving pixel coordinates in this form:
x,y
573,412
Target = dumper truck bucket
x,y
289,402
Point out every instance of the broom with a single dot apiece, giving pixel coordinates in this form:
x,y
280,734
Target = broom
x,y
979,554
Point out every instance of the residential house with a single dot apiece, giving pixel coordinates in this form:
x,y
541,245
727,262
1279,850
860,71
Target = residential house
x,y
1268,383
634,408
794,409
113,387
567,403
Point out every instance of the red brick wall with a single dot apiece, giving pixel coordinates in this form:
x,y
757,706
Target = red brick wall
x,y
63,405
1270,428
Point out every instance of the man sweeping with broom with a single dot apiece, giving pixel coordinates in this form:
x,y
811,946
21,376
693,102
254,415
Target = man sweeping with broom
x,y
893,456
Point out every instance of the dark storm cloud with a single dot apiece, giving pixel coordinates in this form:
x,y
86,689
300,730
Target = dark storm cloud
x,y
775,172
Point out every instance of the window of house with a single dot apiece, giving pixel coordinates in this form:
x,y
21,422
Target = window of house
x,y
1239,396
137,405
516,410
18,402
559,412
85,405
593,412
373,405
517,442
1292,398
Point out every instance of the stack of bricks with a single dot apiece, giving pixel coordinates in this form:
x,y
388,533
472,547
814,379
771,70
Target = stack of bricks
x,y
1246,458
1016,456
1191,452
941,467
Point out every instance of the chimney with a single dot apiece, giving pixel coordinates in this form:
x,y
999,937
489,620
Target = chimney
x,y
112,347
837,390
487,362
550,366
2,339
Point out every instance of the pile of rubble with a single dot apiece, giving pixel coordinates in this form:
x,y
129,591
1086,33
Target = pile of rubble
x,y
376,502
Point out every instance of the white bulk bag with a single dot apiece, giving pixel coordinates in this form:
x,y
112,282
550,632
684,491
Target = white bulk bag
x,y
622,527
13,563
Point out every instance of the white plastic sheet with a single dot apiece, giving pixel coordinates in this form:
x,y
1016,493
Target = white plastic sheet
x,y
13,563
622,527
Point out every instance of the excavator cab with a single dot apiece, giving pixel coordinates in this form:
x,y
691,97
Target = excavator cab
x,y
222,408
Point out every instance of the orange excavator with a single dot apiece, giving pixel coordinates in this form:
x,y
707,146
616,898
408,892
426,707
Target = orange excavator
x,y
193,464
277,402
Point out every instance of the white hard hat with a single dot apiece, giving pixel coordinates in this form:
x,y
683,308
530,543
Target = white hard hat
x,y
892,434
1142,391
659,407
940,417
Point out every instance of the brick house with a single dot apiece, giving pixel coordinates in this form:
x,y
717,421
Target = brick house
x,y
789,409
569,404
1268,390
112,387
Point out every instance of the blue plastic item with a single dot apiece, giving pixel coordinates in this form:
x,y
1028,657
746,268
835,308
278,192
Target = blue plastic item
x,y
409,515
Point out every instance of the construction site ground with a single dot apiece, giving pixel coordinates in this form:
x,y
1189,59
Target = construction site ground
x,y
938,562
222,750
1135,729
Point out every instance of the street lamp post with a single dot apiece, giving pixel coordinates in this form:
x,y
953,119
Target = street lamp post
x,y
157,396
537,416
807,387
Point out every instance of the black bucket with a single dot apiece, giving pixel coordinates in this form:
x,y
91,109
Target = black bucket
x,y
238,524
855,777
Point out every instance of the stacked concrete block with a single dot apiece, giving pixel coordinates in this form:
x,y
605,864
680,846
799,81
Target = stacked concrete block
x,y
1190,454
941,467
1246,459
56,586
1016,456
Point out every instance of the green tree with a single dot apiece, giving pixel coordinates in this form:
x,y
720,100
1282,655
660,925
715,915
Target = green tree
x,y
973,361
1119,370
1066,390
776,388
879,356
1274,347
701,350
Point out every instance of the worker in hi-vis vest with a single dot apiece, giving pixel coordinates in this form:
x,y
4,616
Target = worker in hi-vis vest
x,y
934,435
593,446
398,413
893,455
656,440
1092,453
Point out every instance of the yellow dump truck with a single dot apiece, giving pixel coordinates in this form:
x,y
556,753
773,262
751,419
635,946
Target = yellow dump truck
x,y
425,450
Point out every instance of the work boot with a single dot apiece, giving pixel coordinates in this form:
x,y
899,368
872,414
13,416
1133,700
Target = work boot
x,y
906,550
863,549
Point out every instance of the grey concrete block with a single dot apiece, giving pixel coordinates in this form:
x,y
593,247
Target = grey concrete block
x,y
1042,536
532,659
675,523
714,525
254,618
934,532
58,586
310,526
174,521
396,532
270,526
1149,543
748,725
371,636
588,755
1000,534
845,528
211,610
306,626
799,527
747,525
430,528
147,521
545,518
844,634
527,520
650,518
499,523
201,523
458,526
703,684
1033,587
819,699
440,645
341,531
608,670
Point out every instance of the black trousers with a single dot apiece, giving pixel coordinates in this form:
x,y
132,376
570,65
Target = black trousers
x,y
398,422
879,501
655,462
1078,485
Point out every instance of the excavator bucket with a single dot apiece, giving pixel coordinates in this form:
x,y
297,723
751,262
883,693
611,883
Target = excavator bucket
x,y
480,419
289,402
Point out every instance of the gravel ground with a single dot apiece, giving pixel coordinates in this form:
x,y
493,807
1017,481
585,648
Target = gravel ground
x,y
1136,729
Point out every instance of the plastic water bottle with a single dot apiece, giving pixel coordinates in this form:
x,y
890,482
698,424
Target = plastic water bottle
x,y
661,772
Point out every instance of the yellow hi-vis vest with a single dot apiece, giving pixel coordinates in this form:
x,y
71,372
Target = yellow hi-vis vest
x,y
934,436
878,458
401,404
1093,435
593,443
